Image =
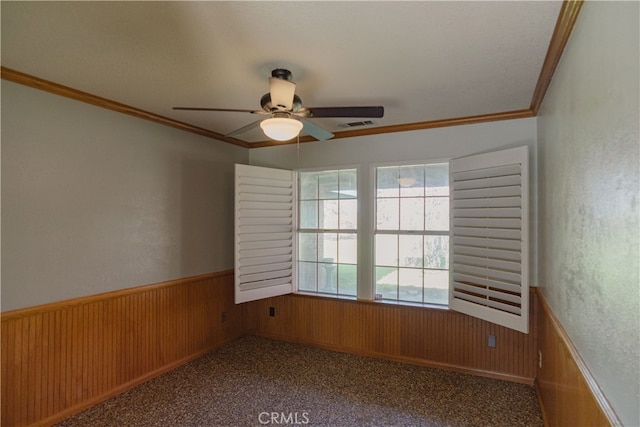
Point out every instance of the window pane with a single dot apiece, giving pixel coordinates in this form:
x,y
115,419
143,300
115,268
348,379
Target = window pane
x,y
328,261
348,184
328,215
327,247
414,200
386,248
410,251
348,214
436,286
436,252
411,181
437,213
347,248
387,282
410,281
328,185
307,276
327,278
437,180
308,185
412,214
307,247
309,214
388,214
387,182
347,279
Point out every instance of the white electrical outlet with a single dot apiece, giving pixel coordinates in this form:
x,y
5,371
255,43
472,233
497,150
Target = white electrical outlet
x,y
539,359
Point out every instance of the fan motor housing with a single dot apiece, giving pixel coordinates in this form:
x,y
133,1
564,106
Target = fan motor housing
x,y
266,104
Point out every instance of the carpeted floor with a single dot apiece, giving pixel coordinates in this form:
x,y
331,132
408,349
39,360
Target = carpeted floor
x,y
256,381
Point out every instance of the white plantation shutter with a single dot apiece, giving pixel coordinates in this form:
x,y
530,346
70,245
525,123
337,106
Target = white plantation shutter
x,y
489,237
264,232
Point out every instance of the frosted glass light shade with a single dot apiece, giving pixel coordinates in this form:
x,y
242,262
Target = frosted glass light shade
x,y
281,128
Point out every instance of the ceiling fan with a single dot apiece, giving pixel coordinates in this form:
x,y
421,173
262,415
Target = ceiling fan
x,y
287,115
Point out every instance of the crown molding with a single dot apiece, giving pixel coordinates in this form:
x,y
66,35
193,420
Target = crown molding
x,y
564,25
68,92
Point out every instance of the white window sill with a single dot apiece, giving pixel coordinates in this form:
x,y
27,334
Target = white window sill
x,y
381,301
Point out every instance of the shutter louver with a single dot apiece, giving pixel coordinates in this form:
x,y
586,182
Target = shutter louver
x,y
264,232
489,228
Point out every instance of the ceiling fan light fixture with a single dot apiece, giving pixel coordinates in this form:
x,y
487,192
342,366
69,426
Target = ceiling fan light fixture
x,y
281,128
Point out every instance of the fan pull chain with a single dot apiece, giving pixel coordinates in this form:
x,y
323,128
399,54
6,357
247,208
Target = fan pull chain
x,y
298,152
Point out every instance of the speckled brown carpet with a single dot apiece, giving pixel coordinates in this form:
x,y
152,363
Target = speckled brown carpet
x,y
256,381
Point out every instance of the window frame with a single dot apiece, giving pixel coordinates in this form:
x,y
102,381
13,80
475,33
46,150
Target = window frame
x,y
358,230
373,167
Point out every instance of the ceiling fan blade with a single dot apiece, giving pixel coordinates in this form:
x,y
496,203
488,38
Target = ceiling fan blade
x,y
232,110
246,128
315,131
281,92
212,109
376,112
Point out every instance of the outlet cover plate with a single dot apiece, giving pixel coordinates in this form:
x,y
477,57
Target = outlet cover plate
x,y
491,341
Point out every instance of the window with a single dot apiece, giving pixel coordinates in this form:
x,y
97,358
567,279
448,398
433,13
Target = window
x,y
410,252
327,232
412,233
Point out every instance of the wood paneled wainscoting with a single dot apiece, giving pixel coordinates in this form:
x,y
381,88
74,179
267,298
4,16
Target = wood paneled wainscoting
x,y
568,393
426,336
60,358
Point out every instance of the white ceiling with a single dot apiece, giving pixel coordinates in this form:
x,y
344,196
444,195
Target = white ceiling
x,y
422,61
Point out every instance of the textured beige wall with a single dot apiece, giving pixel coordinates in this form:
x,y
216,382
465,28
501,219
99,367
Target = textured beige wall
x,y
94,201
589,165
